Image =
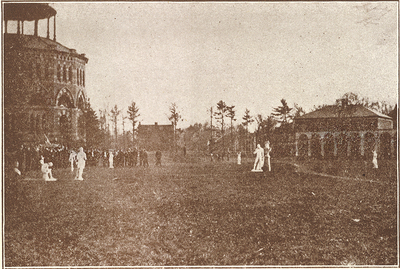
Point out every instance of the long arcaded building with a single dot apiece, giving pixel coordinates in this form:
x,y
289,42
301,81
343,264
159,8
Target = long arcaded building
x,y
44,81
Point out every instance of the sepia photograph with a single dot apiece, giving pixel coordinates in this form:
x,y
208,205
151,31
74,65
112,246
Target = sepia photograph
x,y
200,134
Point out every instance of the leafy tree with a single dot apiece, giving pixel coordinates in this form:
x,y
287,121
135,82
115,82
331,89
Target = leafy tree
x,y
114,113
174,117
133,114
283,113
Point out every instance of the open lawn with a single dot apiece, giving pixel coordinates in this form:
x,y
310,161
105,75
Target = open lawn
x,y
200,213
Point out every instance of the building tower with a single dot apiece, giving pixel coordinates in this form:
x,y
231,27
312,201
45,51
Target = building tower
x,y
44,82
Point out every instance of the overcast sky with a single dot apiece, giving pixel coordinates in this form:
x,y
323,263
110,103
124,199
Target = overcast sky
x,y
248,54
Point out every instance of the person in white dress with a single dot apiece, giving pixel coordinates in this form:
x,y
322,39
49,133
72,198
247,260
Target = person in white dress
x,y
267,151
259,161
81,162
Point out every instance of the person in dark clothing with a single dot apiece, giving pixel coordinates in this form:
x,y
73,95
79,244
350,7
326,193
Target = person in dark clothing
x,y
158,157
145,158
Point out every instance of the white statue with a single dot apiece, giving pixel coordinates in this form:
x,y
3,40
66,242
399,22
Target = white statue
x,y
46,170
267,151
81,162
375,159
259,161
72,159
239,158
111,159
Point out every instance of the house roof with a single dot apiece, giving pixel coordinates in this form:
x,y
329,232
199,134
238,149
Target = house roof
x,y
350,111
37,42
28,11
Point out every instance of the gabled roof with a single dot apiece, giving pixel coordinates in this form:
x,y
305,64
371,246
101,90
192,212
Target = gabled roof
x,y
349,111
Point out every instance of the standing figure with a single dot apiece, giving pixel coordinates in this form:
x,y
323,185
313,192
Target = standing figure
x,y
158,157
111,159
81,161
239,158
72,159
375,159
145,159
259,161
267,151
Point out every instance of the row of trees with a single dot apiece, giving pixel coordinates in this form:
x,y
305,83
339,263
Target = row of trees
x,y
102,131
277,127
220,134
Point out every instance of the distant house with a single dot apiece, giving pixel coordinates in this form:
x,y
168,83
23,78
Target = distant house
x,y
156,136
344,131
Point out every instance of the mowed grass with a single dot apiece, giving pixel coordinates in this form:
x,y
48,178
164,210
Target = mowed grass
x,y
199,213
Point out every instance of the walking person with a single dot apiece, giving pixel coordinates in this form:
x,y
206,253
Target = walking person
x,y
81,161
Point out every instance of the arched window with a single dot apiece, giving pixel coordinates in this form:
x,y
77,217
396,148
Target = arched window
x,y
78,81
59,72
64,73
81,102
315,146
64,99
303,145
70,74
385,148
369,145
342,146
329,146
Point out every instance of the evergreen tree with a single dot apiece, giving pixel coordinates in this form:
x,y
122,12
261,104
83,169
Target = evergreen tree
x,y
283,113
94,135
133,114
174,117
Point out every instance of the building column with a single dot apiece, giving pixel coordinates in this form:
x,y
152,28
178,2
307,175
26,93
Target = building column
x,y
335,149
48,28
36,28
362,143
5,25
18,28
322,141
54,28
22,27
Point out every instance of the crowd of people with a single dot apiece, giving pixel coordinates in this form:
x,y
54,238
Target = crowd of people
x,y
29,157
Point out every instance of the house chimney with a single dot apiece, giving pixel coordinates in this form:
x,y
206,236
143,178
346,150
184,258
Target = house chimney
x,y
156,123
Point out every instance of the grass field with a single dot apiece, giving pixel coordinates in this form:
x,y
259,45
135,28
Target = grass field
x,y
200,213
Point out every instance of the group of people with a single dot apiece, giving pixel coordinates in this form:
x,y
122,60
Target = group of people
x,y
262,155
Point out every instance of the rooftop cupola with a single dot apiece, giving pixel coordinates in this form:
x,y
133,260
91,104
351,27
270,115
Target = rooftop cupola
x,y
21,12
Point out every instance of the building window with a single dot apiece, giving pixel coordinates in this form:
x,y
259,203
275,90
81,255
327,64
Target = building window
x,y
59,72
70,74
64,73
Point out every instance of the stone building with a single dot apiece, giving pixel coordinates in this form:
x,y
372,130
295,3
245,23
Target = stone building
x,y
345,131
44,81
156,137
